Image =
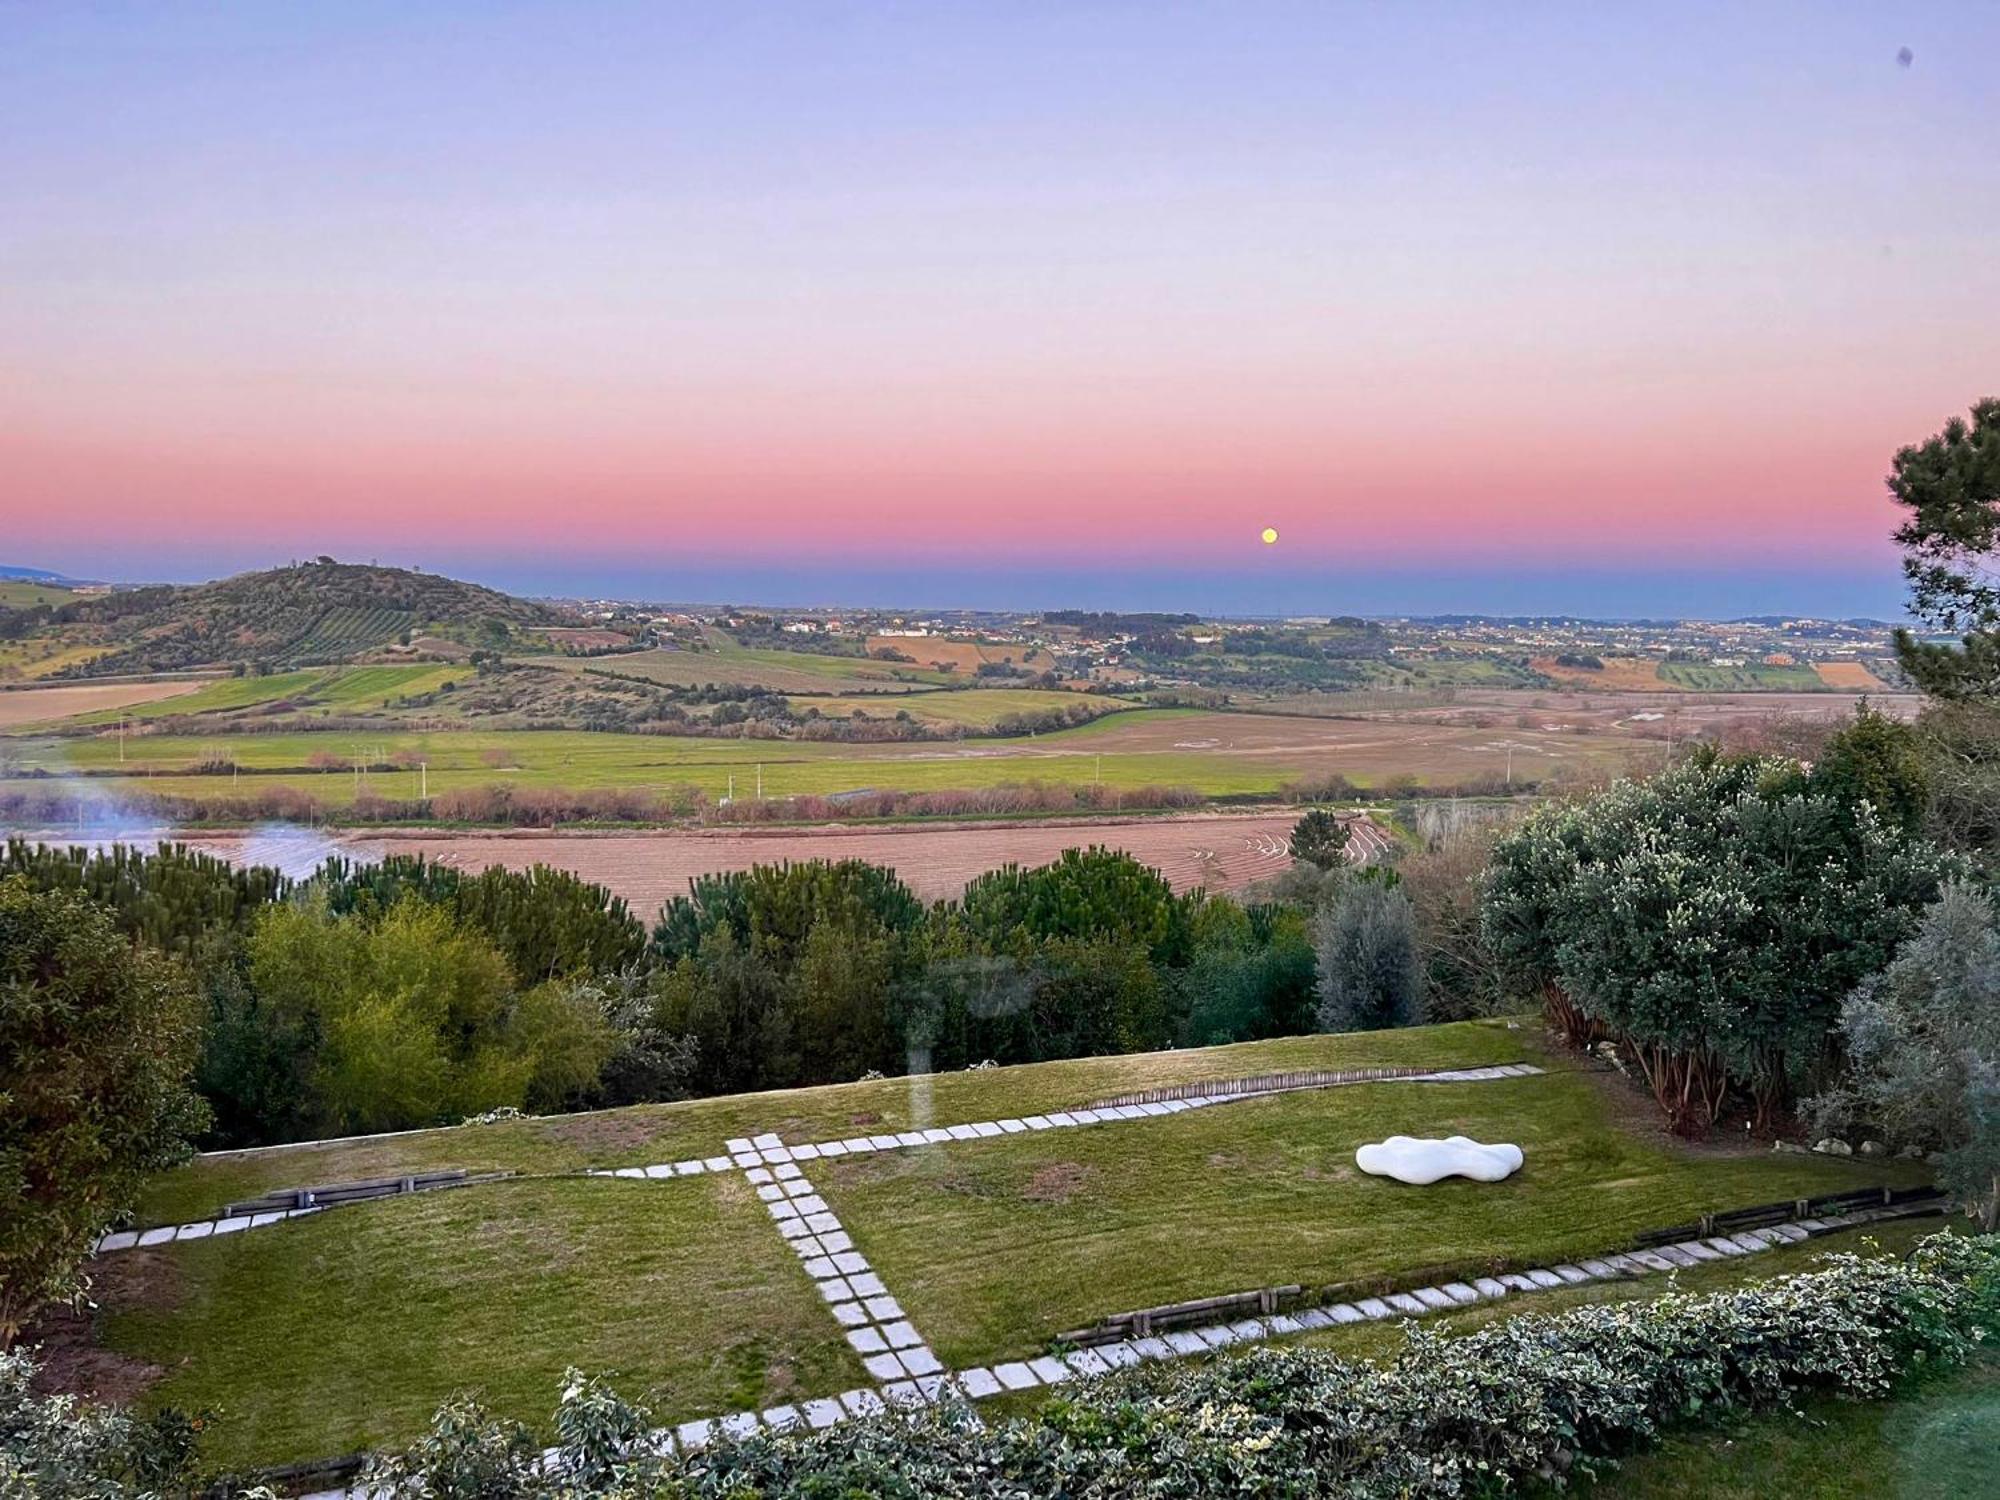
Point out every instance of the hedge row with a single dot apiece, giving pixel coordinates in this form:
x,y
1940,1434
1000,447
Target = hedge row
x,y
1534,1396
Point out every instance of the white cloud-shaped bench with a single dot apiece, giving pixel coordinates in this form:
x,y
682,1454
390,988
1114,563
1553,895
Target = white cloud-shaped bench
x,y
1418,1162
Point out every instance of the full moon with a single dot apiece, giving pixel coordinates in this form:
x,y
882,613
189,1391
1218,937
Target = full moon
x,y
1270,535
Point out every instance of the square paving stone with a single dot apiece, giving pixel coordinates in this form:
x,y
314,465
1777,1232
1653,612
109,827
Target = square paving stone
x,y
1373,1307
963,1132
1548,1281
904,1394
810,1202
902,1336
123,1240
979,1383
1062,1119
1678,1256
937,1135
257,1221
1403,1302
833,1148
819,1267
1086,1362
1574,1275
758,1175
783,1208
1049,1370
987,1129
1283,1325
808,1246
769,1192
777,1154
737,1143
850,1314
806,1152
882,1366
920,1361
868,1284
793,1228
716,1163
1016,1376
787,1173
1793,1232
782,1418
850,1262
199,1231
1120,1356
1153,1348
798,1188
820,1222
861,1403
884,1309
867,1340
1249,1330
823,1412
1630,1267
1433,1297
1084,1117
629,1172
656,1173
884,1142
746,1159
1514,1281
1037,1122
1216,1337
1183,1342
1651,1261
1319,1317
837,1241
1599,1268
1723,1246
910,1138
836,1289
859,1145
1012,1127
766,1140
694,1435
230,1226
1459,1292
1347,1312
740,1424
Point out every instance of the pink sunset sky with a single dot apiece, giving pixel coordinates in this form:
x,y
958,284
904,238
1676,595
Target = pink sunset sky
x,y
889,300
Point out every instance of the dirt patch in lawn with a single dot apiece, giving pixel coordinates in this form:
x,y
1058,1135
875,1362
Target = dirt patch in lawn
x,y
70,1359
1058,1182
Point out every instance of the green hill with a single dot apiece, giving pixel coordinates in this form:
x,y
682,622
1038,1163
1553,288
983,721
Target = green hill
x,y
308,614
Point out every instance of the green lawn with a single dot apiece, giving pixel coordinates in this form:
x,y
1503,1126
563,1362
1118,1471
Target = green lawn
x,y
651,1133
997,1246
346,1330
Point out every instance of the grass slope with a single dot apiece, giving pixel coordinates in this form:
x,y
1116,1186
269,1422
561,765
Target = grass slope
x,y
665,1132
995,1246
345,1331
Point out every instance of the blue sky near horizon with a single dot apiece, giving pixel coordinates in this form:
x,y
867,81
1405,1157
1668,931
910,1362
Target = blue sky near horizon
x,y
1605,310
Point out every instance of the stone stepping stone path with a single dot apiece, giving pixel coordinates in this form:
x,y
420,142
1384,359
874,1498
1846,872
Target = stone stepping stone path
x,y
766,1151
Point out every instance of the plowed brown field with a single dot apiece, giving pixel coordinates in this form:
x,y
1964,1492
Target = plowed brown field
x,y
33,705
1222,851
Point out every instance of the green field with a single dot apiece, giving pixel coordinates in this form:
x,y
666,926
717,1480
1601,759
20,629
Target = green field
x,y
973,707
21,593
1752,677
346,1328
577,760
344,1331
320,689
729,664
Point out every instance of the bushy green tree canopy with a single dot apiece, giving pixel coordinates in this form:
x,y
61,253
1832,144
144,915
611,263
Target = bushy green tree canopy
x,y
1713,917
97,1045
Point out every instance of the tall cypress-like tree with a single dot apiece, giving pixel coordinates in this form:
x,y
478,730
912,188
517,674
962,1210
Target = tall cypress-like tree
x,y
1950,485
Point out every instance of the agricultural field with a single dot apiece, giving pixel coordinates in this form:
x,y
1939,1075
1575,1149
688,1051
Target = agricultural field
x,y
1220,852
39,657
963,657
1700,677
1213,754
25,593
975,708
310,689
1849,677
317,1335
87,700
737,666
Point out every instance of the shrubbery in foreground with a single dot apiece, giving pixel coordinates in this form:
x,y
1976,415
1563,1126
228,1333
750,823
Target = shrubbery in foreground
x,y
1531,1396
